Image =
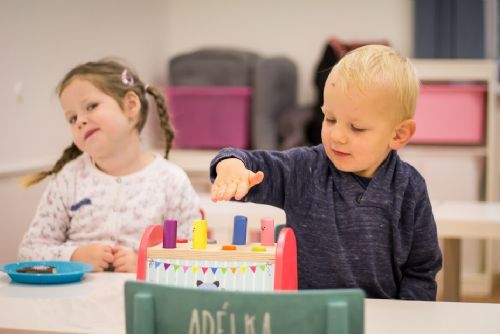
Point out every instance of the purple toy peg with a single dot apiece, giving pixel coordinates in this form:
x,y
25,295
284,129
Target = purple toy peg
x,y
169,233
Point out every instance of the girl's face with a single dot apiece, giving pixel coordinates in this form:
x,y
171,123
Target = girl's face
x,y
358,128
98,125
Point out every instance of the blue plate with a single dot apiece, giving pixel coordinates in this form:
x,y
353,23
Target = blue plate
x,y
66,272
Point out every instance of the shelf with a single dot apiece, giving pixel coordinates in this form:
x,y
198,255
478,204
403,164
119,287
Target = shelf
x,y
455,69
470,70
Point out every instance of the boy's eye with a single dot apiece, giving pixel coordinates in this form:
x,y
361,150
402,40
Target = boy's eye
x,y
330,120
356,129
91,106
72,119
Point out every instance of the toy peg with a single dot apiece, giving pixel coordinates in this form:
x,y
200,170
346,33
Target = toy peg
x,y
169,233
267,231
200,234
240,230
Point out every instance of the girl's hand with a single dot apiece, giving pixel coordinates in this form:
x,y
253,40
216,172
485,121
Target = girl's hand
x,y
97,255
233,180
125,260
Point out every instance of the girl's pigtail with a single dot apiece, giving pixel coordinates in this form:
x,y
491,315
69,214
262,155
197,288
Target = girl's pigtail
x,y
161,107
70,153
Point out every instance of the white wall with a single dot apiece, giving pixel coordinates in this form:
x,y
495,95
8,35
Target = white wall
x,y
297,29
17,209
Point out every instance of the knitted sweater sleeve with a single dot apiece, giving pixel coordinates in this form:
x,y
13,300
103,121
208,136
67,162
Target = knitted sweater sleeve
x,y
425,259
283,172
47,235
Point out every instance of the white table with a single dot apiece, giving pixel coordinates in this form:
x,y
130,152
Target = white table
x,y
414,317
95,305
457,220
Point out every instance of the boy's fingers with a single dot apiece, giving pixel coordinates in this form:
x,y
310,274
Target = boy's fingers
x,y
218,190
241,190
229,191
255,178
223,191
214,190
234,188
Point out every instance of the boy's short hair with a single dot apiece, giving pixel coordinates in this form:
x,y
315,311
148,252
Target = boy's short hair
x,y
371,65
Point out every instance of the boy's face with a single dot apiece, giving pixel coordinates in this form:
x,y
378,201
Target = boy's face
x,y
359,127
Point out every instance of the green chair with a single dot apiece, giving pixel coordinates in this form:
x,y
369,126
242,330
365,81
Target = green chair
x,y
156,308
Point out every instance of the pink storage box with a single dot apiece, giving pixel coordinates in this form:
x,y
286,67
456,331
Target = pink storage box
x,y
210,117
450,114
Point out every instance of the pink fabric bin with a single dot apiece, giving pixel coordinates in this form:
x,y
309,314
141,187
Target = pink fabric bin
x,y
450,114
210,117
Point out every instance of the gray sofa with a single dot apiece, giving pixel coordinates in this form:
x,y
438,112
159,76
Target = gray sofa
x,y
273,81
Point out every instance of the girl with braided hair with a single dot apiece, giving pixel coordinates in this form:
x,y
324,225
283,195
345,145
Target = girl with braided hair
x,y
106,187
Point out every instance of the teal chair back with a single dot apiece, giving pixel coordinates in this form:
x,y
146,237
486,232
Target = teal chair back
x,y
156,308
277,230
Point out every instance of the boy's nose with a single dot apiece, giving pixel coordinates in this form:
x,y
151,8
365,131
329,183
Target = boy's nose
x,y
339,136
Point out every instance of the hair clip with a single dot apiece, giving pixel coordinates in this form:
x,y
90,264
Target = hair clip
x,y
127,78
146,86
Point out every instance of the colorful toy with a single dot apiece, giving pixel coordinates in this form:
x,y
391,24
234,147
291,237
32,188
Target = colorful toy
x,y
261,266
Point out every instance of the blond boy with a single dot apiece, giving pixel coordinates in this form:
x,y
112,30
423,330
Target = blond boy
x,y
362,217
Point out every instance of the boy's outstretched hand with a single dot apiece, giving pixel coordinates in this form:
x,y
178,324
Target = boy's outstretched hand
x,y
233,180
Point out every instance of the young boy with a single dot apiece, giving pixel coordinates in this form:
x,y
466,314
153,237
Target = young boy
x,y
361,216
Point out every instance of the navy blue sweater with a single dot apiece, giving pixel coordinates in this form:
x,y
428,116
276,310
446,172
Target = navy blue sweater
x,y
380,238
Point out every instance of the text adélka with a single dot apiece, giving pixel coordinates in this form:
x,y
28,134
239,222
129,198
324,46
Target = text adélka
x,y
224,322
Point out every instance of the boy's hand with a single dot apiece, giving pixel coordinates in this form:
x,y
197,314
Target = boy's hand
x,y
97,255
125,260
233,180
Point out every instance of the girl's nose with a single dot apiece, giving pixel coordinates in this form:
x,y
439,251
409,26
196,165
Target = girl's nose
x,y
81,120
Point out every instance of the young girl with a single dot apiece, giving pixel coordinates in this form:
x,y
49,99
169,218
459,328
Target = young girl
x,y
106,188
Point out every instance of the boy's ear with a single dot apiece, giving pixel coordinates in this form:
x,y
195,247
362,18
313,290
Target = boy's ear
x,y
403,133
131,105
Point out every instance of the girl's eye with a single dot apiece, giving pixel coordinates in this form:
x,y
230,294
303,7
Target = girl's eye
x,y
91,106
356,129
72,119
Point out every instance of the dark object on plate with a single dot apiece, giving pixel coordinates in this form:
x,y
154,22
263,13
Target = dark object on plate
x,y
37,270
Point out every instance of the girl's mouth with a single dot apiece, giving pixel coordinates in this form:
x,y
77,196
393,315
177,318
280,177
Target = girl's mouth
x,y
89,133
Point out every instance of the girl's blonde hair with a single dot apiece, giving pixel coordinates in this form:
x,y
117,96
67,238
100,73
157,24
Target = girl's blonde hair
x,y
380,65
116,80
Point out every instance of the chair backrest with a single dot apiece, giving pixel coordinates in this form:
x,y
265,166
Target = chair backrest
x,y
155,308
277,230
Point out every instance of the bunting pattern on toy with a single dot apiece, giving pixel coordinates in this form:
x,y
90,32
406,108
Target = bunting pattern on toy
x,y
232,275
214,270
